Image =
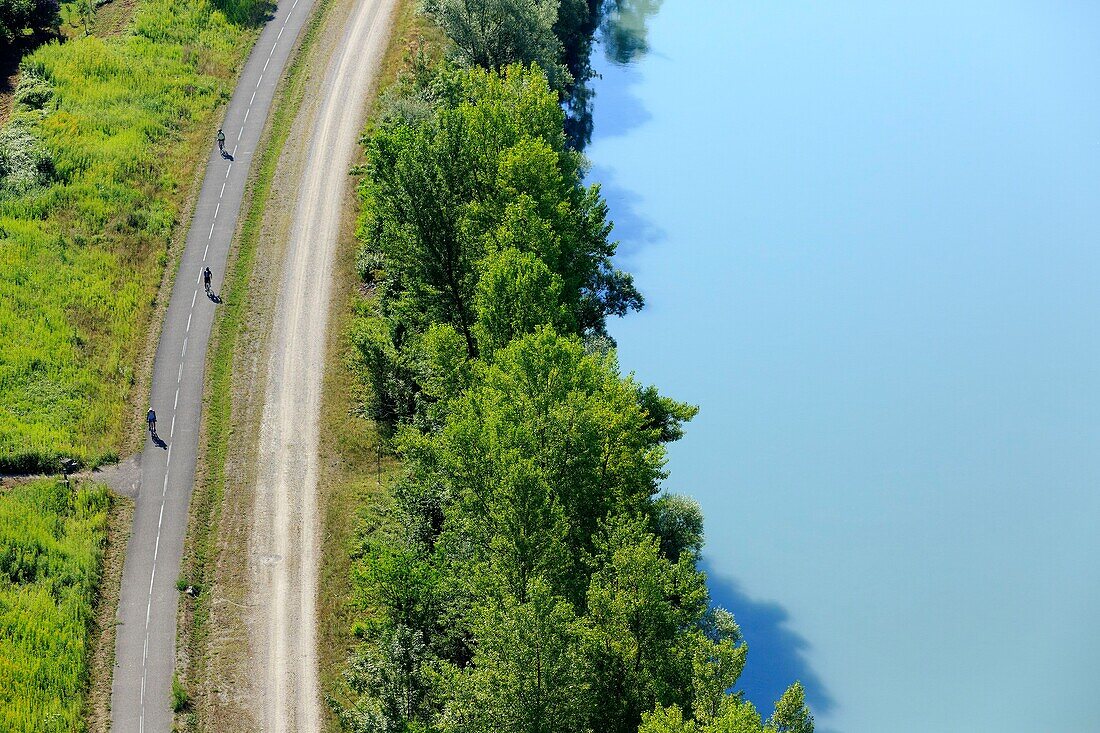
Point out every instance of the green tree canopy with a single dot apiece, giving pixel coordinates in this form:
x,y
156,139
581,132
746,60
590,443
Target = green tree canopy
x,y
516,294
527,675
524,579
481,185
548,442
494,34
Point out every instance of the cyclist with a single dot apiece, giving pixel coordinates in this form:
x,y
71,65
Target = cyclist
x,y
221,140
206,279
151,418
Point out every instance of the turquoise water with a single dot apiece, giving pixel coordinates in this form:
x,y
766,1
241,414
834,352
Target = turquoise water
x,y
869,236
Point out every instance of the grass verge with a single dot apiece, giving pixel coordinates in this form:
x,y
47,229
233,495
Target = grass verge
x,y
52,538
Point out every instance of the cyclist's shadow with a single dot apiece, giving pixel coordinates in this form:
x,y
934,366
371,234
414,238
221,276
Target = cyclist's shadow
x,y
158,442
227,155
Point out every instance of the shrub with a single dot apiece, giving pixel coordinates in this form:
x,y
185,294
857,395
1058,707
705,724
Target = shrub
x,y
180,698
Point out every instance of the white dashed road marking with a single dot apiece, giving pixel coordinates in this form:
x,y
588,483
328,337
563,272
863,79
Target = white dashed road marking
x,y
179,376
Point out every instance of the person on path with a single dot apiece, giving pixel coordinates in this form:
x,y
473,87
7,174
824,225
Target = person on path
x,y
151,418
206,279
221,140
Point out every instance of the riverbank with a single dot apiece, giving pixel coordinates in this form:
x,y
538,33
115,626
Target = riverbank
x,y
519,566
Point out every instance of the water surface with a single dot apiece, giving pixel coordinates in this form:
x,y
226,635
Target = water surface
x,y
869,236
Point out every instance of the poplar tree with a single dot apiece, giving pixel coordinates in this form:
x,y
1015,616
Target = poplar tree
x,y
494,34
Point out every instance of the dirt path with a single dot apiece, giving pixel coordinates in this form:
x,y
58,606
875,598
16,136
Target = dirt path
x,y
285,542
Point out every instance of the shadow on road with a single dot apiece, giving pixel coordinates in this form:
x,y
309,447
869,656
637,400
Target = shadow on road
x,y
158,442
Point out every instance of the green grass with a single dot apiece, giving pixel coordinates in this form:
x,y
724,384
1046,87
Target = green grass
x,y
180,699
51,545
95,165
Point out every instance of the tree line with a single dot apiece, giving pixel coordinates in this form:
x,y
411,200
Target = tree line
x,y
524,574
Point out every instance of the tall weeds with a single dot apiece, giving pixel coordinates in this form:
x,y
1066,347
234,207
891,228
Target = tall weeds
x,y
93,174
51,545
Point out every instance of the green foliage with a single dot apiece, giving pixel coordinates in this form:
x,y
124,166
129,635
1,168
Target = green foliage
x,y
679,525
528,675
545,444
24,164
521,576
51,544
791,714
494,34
736,716
78,14
642,606
515,294
21,17
475,217
180,698
93,170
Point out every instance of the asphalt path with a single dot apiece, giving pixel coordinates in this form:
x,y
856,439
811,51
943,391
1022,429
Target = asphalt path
x,y
145,642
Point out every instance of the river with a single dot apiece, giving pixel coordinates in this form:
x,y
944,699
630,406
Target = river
x,y
868,237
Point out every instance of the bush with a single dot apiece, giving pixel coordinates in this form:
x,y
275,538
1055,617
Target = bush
x,y
20,17
34,89
180,698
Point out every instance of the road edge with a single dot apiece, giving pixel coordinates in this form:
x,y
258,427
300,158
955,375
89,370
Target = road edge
x,y
220,420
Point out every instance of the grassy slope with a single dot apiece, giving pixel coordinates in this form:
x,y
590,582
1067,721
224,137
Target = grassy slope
x,y
51,546
101,155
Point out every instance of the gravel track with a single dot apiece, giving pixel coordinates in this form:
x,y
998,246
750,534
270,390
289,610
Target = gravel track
x,y
285,512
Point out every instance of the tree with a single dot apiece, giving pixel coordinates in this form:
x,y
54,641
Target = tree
x,y
791,714
486,171
720,656
515,294
545,444
494,34
22,17
735,717
642,609
77,13
667,720
679,523
392,675
528,675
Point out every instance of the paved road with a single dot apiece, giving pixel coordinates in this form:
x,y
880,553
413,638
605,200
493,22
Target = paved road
x,y
286,525
145,644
